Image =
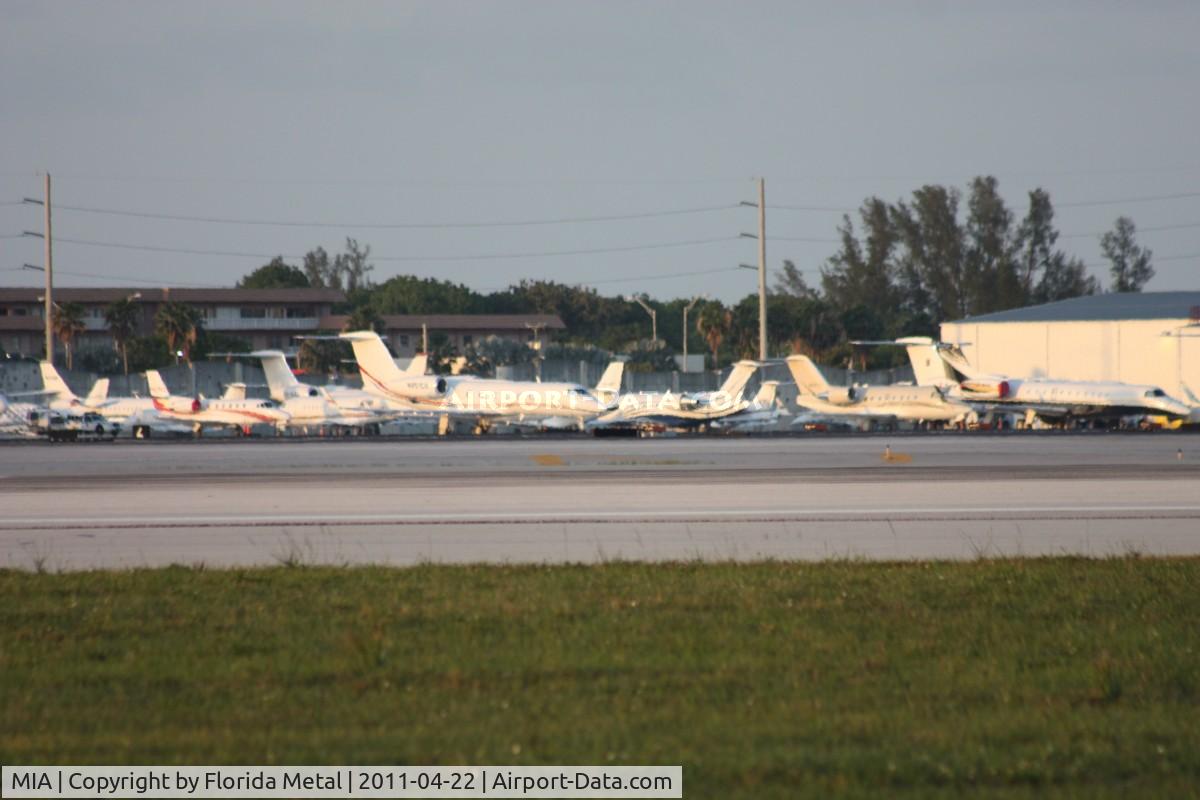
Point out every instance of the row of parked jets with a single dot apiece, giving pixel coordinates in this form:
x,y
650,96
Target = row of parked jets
x,y
947,391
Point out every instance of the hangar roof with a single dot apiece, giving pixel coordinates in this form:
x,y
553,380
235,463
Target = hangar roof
x,y
1125,305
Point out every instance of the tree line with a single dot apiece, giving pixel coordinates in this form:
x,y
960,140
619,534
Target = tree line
x,y
899,269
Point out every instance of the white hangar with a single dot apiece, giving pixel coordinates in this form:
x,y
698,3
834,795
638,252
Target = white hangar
x,y
1144,338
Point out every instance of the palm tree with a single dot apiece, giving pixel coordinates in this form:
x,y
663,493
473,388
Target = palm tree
x,y
179,324
122,318
68,323
713,324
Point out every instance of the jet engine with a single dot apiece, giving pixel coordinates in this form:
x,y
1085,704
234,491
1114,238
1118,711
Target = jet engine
x,y
423,387
987,389
181,405
842,396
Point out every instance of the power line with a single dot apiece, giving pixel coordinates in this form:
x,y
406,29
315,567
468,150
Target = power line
x,y
1151,229
397,225
1145,199
151,282
474,257
838,209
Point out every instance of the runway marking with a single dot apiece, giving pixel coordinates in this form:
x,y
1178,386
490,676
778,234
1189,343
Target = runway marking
x,y
614,517
548,460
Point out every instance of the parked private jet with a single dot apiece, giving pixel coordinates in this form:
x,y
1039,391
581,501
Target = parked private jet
x,y
889,404
486,400
655,411
201,412
1060,402
138,415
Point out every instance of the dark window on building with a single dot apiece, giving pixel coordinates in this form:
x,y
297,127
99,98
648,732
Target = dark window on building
x,y
254,313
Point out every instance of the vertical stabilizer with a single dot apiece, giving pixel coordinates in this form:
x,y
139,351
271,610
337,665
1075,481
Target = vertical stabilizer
x,y
929,368
374,361
156,385
766,395
738,378
808,378
234,391
54,385
281,381
609,385
418,365
98,393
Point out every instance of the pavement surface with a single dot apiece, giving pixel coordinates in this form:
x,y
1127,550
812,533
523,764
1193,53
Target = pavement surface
x,y
229,503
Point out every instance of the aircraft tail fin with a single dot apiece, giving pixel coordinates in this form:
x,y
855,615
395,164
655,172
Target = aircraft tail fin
x,y
418,366
609,385
98,393
808,378
234,391
156,385
766,394
280,378
738,378
54,383
374,361
928,365
957,361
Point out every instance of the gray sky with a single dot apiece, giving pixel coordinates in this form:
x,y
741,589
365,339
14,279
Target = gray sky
x,y
490,112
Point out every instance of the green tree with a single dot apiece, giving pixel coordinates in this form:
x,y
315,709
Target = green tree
x,y
1130,263
364,318
122,320
790,281
713,324
323,356
353,266
275,275
933,253
864,275
408,294
179,326
319,271
991,277
67,322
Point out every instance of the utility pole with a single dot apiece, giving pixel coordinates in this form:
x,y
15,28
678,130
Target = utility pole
x,y
686,309
762,265
424,338
48,268
49,235
762,270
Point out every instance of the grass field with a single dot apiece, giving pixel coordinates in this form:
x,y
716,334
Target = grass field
x,y
1005,678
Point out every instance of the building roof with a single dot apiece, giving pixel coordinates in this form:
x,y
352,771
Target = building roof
x,y
456,322
67,294
1125,305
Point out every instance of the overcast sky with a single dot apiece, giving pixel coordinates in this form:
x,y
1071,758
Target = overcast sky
x,y
403,113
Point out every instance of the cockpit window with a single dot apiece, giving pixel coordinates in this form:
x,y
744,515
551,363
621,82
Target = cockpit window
x,y
1156,393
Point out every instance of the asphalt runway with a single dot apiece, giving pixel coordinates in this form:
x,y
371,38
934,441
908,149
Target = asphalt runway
x,y
133,504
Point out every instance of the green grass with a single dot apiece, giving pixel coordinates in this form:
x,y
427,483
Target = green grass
x,y
1006,678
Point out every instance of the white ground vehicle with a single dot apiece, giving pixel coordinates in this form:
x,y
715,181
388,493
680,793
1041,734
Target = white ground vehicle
x,y
65,426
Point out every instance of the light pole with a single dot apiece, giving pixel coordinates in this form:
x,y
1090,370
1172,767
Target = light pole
x,y
686,309
633,298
